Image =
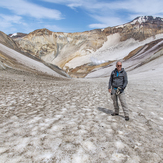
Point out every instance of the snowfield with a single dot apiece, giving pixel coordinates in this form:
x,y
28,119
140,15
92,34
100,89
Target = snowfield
x,y
45,119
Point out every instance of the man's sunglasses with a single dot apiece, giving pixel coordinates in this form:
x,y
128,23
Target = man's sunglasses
x,y
119,65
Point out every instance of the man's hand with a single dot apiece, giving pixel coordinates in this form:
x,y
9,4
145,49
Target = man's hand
x,y
109,90
119,91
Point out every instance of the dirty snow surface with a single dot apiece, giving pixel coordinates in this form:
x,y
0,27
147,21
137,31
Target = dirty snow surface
x,y
44,119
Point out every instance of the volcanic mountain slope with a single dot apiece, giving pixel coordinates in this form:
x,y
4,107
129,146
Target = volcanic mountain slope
x,y
70,121
7,41
81,53
142,59
10,57
60,48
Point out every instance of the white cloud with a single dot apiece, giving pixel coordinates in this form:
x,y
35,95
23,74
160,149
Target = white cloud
x,y
105,13
11,19
105,21
22,7
54,28
98,25
137,6
74,5
7,25
13,23
109,13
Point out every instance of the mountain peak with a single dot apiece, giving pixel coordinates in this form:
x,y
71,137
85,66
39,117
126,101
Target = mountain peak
x,y
143,19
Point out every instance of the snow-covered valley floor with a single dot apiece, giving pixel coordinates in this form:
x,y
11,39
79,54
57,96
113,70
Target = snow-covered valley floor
x,y
64,121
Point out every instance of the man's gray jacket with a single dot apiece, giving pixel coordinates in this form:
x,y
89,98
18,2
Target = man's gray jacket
x,y
118,81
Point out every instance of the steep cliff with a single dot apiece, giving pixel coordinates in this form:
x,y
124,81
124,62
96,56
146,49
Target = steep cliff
x,y
11,58
60,48
140,28
7,41
76,52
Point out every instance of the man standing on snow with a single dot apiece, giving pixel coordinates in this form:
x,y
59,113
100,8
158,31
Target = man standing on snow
x,y
117,83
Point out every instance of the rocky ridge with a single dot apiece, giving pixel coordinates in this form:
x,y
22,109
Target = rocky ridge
x,y
12,58
140,28
72,52
7,41
17,35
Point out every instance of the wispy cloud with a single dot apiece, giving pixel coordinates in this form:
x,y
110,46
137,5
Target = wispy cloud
x,y
25,8
11,19
54,28
21,12
100,13
8,21
110,23
105,21
110,13
139,6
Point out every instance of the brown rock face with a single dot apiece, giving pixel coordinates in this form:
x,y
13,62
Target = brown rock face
x,y
61,48
49,45
7,41
152,47
140,28
11,58
82,71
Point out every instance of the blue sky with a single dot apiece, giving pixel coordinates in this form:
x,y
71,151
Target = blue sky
x,y
72,15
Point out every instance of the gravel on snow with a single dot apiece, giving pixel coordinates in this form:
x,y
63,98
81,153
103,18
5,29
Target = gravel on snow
x,y
44,119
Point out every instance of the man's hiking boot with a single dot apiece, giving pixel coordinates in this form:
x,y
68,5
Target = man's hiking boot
x,y
127,118
113,114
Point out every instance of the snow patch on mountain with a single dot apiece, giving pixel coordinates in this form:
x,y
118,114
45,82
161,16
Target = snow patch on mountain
x,y
14,34
142,56
112,49
140,20
143,19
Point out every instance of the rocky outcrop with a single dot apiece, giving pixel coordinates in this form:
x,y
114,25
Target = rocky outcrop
x,y
7,41
139,29
17,35
145,54
11,58
6,61
145,58
60,48
70,51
